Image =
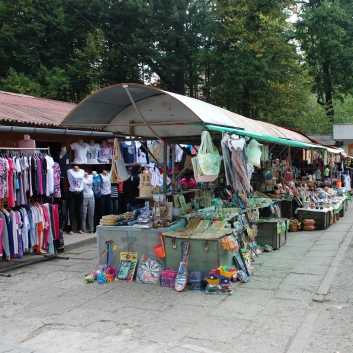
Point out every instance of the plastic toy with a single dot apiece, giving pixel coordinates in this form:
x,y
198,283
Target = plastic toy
x,y
220,275
102,278
93,275
219,289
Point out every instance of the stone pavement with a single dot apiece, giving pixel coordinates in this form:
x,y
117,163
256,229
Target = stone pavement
x,y
298,300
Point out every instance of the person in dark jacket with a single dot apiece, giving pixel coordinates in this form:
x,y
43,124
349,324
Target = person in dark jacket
x,y
131,190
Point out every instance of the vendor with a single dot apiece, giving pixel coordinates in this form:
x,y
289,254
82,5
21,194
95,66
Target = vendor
x,y
188,182
131,189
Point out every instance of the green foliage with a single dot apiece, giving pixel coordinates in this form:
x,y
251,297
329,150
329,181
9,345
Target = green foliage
x,y
19,83
237,54
325,32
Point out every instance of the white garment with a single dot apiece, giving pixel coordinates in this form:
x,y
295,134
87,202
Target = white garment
x,y
87,186
141,157
80,152
104,154
50,175
347,182
75,179
106,185
178,153
92,154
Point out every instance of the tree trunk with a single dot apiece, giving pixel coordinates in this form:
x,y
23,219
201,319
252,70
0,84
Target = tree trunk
x,y
330,112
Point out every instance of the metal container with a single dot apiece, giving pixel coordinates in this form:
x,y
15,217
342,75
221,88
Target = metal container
x,y
204,254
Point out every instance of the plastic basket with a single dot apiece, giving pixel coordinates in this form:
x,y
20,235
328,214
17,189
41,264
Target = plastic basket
x,y
197,280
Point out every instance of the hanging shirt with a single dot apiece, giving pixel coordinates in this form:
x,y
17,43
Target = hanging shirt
x,y
347,182
5,235
50,175
128,151
106,185
64,163
114,190
80,152
10,176
75,180
97,182
57,173
92,154
4,169
104,154
87,186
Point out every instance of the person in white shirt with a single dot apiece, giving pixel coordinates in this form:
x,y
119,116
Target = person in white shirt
x,y
106,193
75,198
88,204
80,149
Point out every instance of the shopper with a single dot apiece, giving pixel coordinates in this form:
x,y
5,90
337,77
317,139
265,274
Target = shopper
x,y
131,188
88,204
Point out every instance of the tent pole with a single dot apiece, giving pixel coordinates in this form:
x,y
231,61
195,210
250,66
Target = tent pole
x,y
165,161
173,168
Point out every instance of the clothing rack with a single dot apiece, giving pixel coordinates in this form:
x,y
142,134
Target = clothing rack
x,y
35,149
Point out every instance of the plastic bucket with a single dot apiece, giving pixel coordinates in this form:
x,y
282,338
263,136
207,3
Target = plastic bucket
x,y
338,183
159,251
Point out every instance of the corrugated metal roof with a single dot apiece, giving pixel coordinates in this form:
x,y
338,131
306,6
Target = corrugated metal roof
x,y
324,139
25,109
112,110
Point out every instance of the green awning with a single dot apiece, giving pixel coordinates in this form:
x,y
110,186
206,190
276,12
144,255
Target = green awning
x,y
261,137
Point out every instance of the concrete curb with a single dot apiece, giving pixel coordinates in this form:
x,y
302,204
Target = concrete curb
x,y
78,244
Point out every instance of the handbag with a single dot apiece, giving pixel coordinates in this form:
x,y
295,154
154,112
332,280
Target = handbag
x,y
289,174
208,157
119,172
201,178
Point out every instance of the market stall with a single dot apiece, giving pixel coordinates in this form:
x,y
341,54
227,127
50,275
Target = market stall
x,y
255,173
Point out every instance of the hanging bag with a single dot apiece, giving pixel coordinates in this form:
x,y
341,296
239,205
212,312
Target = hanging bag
x,y
119,172
208,158
289,172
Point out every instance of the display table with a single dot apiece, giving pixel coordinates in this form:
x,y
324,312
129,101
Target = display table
x,y
131,238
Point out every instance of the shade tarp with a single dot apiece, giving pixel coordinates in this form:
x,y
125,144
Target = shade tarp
x,y
265,138
165,114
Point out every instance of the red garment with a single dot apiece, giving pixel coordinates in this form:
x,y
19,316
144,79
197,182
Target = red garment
x,y
189,184
1,228
11,197
46,228
55,215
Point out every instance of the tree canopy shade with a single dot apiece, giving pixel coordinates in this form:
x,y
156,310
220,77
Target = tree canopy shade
x,y
325,32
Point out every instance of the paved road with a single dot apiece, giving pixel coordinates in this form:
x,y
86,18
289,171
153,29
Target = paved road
x,y
298,300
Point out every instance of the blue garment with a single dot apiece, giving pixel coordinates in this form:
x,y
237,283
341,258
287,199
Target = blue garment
x,y
128,152
97,183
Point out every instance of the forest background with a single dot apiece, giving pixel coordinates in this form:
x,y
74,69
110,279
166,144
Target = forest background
x,y
287,62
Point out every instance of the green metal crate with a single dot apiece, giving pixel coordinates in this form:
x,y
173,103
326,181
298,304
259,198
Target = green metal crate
x,y
200,259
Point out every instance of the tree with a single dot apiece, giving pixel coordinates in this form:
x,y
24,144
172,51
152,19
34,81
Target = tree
x,y
325,32
257,67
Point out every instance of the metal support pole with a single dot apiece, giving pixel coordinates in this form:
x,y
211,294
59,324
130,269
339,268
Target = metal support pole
x,y
173,168
165,161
